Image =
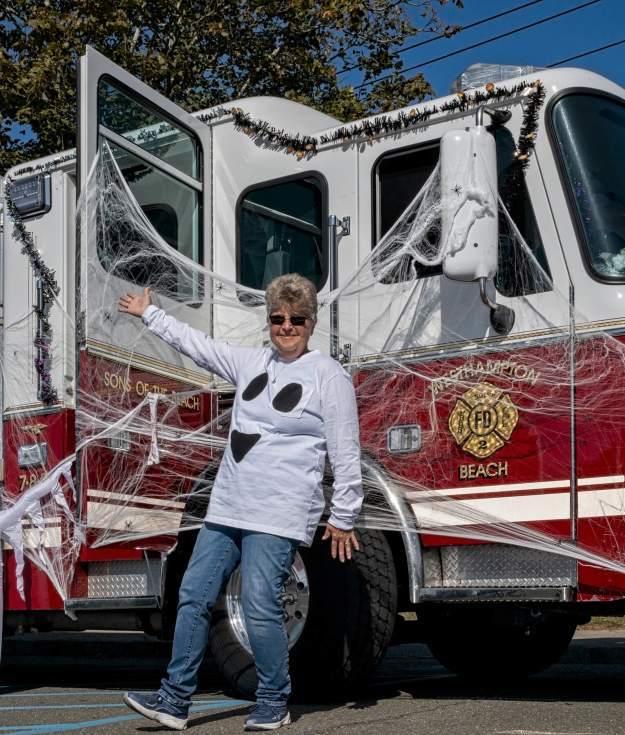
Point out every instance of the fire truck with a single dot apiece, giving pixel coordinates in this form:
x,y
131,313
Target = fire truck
x,y
459,421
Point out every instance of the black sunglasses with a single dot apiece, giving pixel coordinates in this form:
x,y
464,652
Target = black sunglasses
x,y
297,320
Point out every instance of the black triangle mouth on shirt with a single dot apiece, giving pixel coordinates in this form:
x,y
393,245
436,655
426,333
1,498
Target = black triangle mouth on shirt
x,y
241,443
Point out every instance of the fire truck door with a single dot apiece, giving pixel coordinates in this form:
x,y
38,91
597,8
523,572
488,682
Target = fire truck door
x,y
162,152
128,243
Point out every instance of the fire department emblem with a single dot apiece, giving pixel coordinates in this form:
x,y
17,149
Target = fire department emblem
x,y
483,419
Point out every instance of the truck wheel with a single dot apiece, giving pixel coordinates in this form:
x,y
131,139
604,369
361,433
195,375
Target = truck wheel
x,y
339,619
497,653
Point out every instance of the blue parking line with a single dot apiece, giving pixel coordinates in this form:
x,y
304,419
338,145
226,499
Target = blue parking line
x,y
68,727
53,727
78,693
59,706
88,706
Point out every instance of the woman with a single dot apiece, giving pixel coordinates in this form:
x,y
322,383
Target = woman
x,y
292,406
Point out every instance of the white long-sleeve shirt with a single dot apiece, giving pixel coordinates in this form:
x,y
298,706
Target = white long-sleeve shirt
x,y
286,416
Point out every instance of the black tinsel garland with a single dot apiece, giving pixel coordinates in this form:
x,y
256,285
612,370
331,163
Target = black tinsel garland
x,y
525,145
306,146
49,289
45,167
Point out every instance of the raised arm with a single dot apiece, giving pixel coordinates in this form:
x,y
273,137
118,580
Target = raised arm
x,y
340,417
216,357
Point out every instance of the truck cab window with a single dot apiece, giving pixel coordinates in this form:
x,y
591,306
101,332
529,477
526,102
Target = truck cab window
x,y
160,163
517,271
397,179
280,230
399,176
589,131
135,121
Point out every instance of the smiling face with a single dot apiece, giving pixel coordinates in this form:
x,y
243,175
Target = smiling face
x,y
290,340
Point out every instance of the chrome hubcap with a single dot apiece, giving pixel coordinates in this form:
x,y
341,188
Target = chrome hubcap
x,y
295,600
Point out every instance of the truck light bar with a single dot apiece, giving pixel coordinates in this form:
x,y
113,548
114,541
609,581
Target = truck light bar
x,y
32,195
119,442
404,439
32,455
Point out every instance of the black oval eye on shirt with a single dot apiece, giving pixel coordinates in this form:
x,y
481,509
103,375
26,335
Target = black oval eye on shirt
x,y
288,397
256,387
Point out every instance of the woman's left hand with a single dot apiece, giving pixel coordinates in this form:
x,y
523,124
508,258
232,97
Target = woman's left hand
x,y
342,542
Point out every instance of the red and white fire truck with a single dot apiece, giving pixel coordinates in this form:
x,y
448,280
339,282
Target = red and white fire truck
x,y
449,424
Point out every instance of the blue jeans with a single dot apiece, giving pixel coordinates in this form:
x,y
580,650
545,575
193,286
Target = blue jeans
x,y
265,565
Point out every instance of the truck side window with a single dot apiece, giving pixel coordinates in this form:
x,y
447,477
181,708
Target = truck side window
x,y
399,176
135,121
280,230
517,274
589,130
161,165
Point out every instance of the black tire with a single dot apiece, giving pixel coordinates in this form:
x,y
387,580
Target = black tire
x,y
352,610
497,653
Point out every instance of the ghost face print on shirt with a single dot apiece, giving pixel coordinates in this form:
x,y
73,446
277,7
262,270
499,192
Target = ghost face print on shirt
x,y
285,401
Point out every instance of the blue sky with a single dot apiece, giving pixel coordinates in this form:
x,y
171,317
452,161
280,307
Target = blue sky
x,y
579,31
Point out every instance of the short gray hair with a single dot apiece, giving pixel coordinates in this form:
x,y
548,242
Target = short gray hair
x,y
292,290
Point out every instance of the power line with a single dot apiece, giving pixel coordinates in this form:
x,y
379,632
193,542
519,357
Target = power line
x,y
461,28
586,53
473,25
483,43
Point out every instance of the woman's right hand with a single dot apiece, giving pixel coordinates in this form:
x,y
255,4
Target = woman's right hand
x,y
134,303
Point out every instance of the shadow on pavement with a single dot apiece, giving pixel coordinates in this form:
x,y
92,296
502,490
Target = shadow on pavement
x,y
592,670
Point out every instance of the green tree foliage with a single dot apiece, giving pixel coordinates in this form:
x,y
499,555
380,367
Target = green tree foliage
x,y
201,53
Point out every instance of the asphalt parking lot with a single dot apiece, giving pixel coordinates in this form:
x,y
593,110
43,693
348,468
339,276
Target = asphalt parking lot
x,y
75,687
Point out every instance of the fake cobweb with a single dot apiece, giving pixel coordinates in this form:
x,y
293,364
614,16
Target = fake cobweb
x,y
489,433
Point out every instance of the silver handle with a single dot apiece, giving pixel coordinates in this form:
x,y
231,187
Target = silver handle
x,y
334,224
